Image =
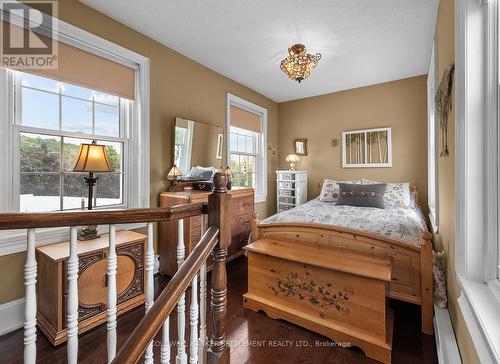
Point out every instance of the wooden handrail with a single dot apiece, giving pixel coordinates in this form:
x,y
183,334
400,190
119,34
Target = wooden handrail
x,y
149,326
92,217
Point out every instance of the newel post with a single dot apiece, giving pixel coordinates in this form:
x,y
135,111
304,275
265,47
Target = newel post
x,y
219,217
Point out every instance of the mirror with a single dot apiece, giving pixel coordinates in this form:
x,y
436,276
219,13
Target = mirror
x,y
367,148
198,149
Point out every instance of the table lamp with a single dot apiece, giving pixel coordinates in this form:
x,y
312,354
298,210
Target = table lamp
x,y
173,175
292,159
91,158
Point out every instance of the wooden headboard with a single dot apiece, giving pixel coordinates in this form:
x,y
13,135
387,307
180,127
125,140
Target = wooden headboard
x,y
414,190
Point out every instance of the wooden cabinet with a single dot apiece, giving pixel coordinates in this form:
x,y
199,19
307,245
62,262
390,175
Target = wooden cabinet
x,y
291,189
242,207
52,285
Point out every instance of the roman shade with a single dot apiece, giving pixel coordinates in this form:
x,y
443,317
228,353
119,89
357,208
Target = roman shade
x,y
81,68
244,119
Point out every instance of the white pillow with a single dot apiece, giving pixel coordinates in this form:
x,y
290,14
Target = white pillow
x,y
330,190
396,194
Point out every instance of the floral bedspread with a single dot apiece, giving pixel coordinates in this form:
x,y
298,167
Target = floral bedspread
x,y
403,223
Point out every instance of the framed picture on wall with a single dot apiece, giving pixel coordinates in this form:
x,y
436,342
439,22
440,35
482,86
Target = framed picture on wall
x,y
300,146
367,148
220,142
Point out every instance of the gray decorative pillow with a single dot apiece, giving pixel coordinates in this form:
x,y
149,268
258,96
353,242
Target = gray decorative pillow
x,y
362,195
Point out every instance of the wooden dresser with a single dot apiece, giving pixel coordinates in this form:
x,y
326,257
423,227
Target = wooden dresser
x,y
242,207
52,286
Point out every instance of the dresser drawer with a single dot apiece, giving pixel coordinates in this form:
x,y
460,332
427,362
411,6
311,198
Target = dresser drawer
x,y
286,193
240,224
287,200
286,176
283,207
286,185
242,205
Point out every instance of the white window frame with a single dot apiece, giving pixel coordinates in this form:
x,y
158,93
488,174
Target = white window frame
x,y
433,142
476,172
137,194
125,110
261,160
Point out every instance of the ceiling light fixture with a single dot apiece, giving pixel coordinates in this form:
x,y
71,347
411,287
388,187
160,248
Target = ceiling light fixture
x,y
299,64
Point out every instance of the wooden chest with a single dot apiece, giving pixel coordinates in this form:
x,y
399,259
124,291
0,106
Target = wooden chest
x,y
52,286
340,294
242,207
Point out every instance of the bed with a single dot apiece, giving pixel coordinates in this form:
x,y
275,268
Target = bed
x,y
399,233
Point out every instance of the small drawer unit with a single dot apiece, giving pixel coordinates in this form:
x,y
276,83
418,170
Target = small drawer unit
x,y
291,189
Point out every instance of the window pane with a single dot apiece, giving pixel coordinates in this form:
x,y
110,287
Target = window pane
x,y
109,189
74,189
41,83
234,142
241,143
70,149
40,109
107,120
76,91
115,152
40,153
106,99
250,144
76,115
39,192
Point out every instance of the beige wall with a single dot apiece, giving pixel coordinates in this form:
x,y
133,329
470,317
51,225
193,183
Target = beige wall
x,y
445,239
398,104
179,87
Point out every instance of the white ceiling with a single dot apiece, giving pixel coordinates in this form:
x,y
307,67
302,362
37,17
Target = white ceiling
x,y
362,42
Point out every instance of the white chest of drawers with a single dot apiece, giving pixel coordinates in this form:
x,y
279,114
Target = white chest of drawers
x,y
291,189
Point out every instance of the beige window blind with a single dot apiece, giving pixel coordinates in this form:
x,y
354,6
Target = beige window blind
x,y
88,70
244,119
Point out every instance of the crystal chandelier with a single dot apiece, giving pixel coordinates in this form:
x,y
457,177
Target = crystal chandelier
x,y
299,64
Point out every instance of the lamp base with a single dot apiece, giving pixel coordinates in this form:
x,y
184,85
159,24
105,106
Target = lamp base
x,y
88,232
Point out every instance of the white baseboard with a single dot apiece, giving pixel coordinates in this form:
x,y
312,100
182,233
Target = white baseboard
x,y
446,343
12,313
11,316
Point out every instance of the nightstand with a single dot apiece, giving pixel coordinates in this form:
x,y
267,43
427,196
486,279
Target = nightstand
x,y
52,283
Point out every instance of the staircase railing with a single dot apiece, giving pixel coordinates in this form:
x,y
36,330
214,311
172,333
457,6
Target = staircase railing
x,y
215,240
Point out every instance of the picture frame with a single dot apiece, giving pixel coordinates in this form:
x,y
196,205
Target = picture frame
x,y
220,143
367,148
300,146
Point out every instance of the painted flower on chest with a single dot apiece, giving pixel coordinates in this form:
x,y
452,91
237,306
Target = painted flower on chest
x,y
317,293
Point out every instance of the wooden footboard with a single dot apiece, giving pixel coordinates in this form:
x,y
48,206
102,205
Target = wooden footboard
x,y
411,265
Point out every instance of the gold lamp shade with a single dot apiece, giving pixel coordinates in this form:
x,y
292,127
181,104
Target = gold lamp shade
x,y
92,158
292,159
174,173
228,171
299,64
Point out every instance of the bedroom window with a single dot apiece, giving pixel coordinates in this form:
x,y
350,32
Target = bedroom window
x,y
54,118
433,144
246,145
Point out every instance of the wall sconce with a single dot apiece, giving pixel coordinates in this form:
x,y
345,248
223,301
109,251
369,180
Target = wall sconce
x,y
335,142
271,148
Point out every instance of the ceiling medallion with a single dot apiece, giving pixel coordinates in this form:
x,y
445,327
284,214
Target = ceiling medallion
x,y
299,64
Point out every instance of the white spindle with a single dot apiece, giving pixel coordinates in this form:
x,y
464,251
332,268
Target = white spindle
x,y
30,309
181,357
72,309
193,322
150,288
165,342
202,351
112,264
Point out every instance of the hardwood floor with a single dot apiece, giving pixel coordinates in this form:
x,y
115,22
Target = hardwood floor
x,y
253,337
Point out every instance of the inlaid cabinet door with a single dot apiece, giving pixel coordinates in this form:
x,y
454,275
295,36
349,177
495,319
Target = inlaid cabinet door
x,y
93,279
